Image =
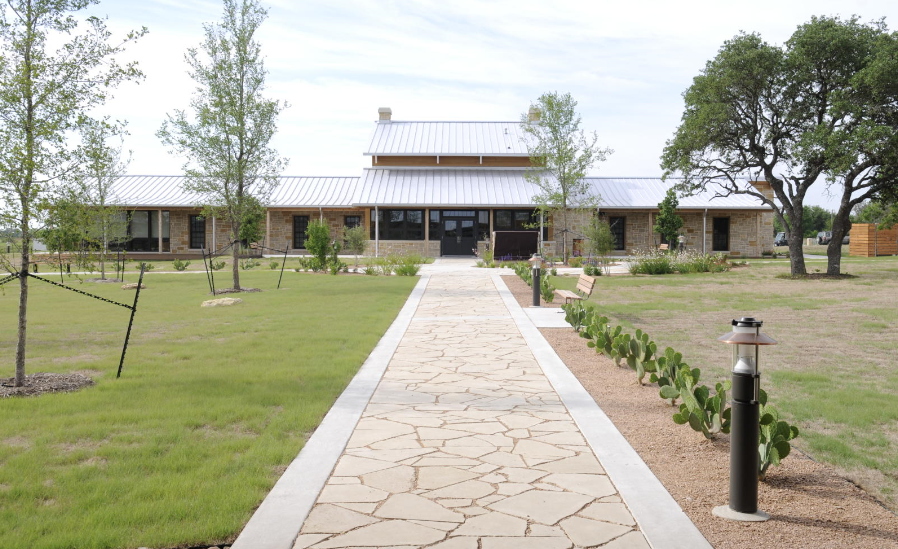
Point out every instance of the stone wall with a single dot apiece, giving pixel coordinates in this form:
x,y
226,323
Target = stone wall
x,y
281,232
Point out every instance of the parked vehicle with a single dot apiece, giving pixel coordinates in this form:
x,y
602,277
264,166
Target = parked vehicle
x,y
846,239
780,240
823,237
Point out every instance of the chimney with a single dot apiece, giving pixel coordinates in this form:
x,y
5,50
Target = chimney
x,y
533,115
384,115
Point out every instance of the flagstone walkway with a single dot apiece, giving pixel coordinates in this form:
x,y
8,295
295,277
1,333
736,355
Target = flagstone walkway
x,y
466,445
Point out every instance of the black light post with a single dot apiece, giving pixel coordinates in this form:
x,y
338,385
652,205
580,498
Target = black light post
x,y
746,339
536,263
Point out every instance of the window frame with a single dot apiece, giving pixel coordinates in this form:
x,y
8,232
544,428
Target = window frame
x,y
193,231
517,224
397,230
304,232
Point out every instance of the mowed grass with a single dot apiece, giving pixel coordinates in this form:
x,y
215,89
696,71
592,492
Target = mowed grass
x,y
212,405
833,371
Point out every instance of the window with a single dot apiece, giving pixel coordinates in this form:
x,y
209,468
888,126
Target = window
x,y
483,225
618,226
197,227
720,238
518,220
352,221
300,225
434,224
398,224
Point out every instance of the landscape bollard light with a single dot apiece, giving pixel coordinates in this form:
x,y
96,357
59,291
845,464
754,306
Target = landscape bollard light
x,y
746,339
536,263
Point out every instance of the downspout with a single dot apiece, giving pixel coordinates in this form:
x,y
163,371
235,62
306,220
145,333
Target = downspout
x,y
705,232
320,214
376,232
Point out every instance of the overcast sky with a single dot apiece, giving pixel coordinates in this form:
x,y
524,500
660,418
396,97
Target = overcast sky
x,y
337,61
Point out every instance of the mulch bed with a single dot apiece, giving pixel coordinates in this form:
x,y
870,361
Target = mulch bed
x,y
103,280
40,383
810,504
240,291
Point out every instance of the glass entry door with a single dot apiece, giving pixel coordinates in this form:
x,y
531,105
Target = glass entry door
x,y
459,236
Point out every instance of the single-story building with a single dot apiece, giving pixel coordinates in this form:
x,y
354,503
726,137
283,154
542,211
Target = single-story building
x,y
440,188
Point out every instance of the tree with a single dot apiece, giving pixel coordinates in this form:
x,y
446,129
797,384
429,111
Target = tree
x,y
813,220
561,155
667,222
104,222
318,239
599,241
44,95
228,160
356,239
785,114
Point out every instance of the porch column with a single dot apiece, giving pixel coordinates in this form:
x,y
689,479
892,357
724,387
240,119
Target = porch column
x,y
426,228
268,228
652,228
376,232
213,234
160,229
492,244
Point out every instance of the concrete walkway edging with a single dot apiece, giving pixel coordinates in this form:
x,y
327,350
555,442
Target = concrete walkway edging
x,y
660,518
276,523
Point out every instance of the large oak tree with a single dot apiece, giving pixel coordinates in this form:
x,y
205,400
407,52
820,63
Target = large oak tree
x,y
817,108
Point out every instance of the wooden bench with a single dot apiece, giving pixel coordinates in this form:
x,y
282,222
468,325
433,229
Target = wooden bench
x,y
585,285
663,247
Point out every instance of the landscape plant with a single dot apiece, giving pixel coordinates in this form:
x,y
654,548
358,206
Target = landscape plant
x,y
599,242
54,71
562,155
318,240
546,289
217,265
225,141
180,264
774,437
667,222
356,241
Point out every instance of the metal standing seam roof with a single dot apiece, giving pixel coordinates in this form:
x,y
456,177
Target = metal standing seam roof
x,y
505,187
447,138
168,191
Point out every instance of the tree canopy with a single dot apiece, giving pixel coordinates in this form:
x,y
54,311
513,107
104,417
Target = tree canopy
x,y
667,222
562,155
819,108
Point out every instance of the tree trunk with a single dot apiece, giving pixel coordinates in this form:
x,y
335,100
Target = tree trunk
x,y
841,226
103,258
796,254
236,250
564,235
23,308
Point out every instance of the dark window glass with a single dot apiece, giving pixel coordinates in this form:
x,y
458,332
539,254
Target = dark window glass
x,y
456,213
483,225
502,220
197,227
618,226
521,220
399,224
352,221
434,224
300,226
720,238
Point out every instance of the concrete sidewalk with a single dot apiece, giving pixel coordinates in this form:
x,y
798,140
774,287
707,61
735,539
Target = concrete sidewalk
x,y
465,444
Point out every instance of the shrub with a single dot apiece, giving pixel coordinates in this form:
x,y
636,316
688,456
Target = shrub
x,y
546,289
652,262
217,265
248,264
408,264
592,270
554,271
180,265
576,261
273,265
336,266
146,266
355,241
318,239
371,270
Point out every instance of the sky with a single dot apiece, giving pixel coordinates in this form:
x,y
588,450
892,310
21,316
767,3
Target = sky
x,y
336,61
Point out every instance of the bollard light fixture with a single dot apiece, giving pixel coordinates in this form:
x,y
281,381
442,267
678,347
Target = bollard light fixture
x,y
536,264
746,339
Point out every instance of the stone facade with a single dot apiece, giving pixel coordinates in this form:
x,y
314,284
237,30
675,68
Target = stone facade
x,y
751,232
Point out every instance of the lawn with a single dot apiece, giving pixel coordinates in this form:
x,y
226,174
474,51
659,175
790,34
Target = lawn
x,y
212,405
834,369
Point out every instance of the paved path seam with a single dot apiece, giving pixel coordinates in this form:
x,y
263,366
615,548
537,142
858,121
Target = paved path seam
x,y
662,521
276,523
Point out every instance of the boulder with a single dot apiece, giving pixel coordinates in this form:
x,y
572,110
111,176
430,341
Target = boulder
x,y
222,302
133,286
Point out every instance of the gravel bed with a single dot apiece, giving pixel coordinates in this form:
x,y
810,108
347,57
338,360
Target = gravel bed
x,y
40,383
810,504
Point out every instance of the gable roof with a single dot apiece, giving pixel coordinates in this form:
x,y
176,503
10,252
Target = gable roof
x,y
447,138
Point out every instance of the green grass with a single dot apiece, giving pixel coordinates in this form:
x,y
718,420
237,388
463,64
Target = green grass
x,y
213,403
833,371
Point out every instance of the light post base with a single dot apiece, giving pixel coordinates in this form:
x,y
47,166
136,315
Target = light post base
x,y
724,511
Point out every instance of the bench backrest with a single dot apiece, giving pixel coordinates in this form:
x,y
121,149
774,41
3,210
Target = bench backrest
x,y
585,284
663,247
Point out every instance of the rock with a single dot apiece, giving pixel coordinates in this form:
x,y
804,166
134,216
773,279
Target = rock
x,y
222,302
133,286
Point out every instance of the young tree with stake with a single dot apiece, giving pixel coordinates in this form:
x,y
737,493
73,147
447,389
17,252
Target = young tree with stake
x,y
226,141
561,154
44,95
